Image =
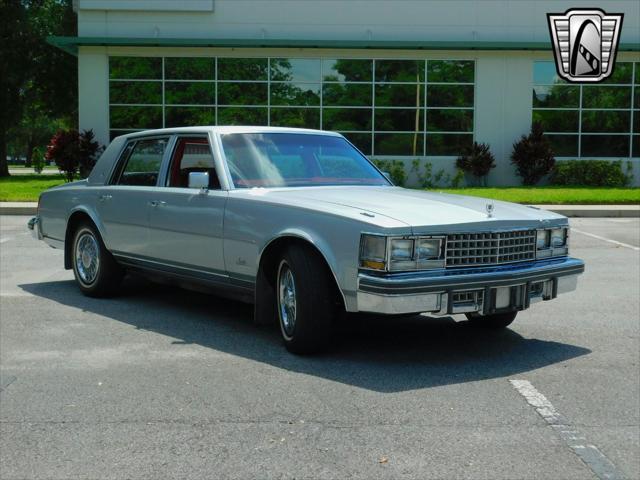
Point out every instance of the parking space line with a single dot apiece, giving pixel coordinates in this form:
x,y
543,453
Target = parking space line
x,y
615,242
599,464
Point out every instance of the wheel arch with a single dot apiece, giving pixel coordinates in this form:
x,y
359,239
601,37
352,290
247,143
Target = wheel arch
x,y
268,263
76,217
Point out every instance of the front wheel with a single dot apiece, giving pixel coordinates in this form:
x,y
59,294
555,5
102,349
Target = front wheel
x,y
305,300
96,271
494,321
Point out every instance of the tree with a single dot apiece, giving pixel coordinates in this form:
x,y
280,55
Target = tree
x,y
34,76
532,155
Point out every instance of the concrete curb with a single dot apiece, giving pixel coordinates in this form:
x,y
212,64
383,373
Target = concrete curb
x,y
29,208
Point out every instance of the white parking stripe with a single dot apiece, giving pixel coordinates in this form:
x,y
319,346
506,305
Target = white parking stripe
x,y
615,242
599,464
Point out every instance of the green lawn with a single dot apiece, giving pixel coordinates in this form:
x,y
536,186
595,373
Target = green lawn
x,y
554,195
25,188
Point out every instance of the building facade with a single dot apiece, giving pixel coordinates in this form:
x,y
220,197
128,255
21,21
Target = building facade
x,y
405,79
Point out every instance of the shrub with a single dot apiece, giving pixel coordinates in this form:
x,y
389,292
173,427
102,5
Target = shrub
x,y
427,179
73,152
593,173
477,160
532,155
395,168
37,159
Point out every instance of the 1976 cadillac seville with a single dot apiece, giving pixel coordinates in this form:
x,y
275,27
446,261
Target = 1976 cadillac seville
x,y
301,224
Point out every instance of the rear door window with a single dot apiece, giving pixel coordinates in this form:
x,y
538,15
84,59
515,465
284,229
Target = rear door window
x,y
142,166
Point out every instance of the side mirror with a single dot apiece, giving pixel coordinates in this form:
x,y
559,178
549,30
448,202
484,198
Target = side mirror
x,y
199,180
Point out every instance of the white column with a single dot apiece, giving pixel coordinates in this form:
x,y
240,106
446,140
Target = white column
x,y
504,86
93,92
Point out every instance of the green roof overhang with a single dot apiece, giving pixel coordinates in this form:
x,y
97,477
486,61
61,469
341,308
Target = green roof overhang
x,y
71,44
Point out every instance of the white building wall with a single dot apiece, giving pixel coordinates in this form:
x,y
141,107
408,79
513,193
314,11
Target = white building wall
x,y
93,92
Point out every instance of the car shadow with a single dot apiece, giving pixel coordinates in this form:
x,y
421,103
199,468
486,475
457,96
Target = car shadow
x,y
375,352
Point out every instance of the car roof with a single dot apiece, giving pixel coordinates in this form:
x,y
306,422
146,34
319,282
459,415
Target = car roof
x,y
230,129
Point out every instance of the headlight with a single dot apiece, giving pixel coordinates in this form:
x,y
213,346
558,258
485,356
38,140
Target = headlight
x,y
558,237
428,249
401,249
542,239
373,251
402,254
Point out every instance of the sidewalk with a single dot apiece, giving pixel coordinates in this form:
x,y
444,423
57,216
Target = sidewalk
x,y
29,208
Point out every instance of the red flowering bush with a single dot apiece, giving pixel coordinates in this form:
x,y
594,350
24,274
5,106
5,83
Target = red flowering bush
x,y
74,152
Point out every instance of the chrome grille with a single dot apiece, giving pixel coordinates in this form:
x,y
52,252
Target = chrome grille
x,y
490,248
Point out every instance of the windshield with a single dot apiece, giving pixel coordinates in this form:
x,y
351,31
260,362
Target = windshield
x,y
296,160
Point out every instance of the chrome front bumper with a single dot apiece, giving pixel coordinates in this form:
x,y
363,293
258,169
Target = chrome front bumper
x,y
483,290
34,225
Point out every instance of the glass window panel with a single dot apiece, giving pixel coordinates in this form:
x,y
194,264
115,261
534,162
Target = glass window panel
x,y
544,73
407,120
450,95
605,145
399,70
185,68
242,93
398,144
135,92
362,141
445,144
295,94
295,117
346,94
449,120
606,97
636,94
143,164
622,73
562,96
347,70
242,116
189,93
564,145
346,118
400,95
135,117
636,121
242,69
450,71
604,121
636,146
135,67
557,120
189,116
295,69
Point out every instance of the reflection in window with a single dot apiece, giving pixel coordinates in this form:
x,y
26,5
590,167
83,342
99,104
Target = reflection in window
x,y
588,120
385,107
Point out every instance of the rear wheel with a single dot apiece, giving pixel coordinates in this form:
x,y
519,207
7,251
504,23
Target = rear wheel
x,y
494,321
305,300
96,271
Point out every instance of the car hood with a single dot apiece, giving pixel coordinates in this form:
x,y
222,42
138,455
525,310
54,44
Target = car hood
x,y
419,208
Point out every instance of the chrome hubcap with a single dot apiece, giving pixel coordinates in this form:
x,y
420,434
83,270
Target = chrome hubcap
x,y
87,258
287,299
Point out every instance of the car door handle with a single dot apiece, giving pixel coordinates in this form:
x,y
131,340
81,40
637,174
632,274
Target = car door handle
x,y
102,198
157,203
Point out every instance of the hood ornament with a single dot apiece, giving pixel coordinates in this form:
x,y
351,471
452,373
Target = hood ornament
x,y
489,207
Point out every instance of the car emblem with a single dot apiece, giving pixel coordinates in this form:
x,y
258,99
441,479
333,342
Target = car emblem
x,y
489,207
585,43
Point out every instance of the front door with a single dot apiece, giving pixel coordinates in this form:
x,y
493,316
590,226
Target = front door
x,y
185,224
123,204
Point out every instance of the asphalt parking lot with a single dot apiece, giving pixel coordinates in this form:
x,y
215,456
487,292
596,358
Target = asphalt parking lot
x,y
162,383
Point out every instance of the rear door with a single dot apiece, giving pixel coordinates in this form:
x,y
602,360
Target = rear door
x,y
123,204
185,225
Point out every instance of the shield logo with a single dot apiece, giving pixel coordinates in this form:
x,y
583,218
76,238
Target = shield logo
x,y
585,43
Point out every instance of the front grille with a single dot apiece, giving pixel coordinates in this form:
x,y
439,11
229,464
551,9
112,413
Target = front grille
x,y
490,248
